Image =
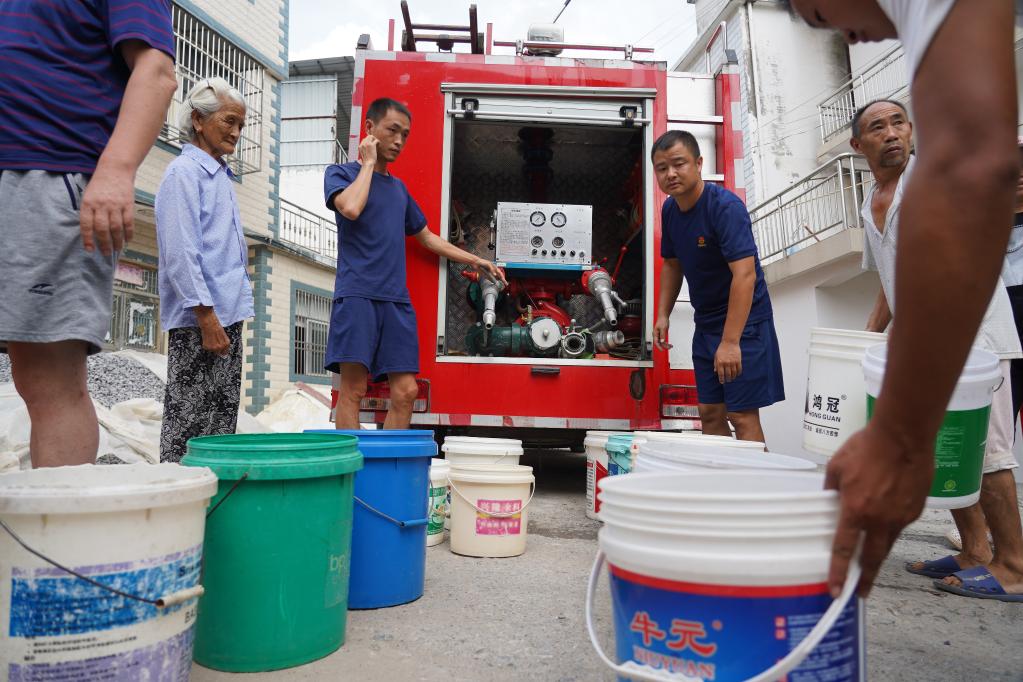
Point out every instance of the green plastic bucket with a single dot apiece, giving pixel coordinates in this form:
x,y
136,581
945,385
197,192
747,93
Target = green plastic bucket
x,y
962,438
277,551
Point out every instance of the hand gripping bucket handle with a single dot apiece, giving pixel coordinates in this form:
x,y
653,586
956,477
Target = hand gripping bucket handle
x,y
496,515
637,671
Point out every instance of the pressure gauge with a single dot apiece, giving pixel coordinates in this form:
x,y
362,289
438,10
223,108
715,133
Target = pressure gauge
x,y
558,219
537,218
557,242
536,241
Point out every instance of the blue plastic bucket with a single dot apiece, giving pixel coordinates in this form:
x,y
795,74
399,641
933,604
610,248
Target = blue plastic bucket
x,y
390,521
705,601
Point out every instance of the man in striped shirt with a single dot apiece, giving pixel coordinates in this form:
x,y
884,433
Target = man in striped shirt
x,y
84,93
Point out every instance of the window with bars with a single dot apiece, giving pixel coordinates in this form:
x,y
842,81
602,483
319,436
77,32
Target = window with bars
x,y
310,314
204,53
135,314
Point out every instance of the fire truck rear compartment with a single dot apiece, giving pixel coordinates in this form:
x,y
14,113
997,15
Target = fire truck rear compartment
x,y
595,166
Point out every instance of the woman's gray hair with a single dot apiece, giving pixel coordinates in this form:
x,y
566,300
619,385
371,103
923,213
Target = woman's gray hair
x,y
205,98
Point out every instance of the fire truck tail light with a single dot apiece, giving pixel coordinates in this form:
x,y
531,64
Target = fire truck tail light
x,y
679,402
378,397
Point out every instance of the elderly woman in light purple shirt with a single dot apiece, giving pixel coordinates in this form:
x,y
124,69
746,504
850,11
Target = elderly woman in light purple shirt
x,y
205,293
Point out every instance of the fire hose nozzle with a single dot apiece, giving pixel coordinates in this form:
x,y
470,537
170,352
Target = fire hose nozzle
x,y
599,284
606,341
491,290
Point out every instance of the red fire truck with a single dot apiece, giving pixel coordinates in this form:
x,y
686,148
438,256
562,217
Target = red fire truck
x,y
541,163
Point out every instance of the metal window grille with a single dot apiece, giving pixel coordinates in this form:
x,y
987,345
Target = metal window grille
x,y
135,315
204,53
311,314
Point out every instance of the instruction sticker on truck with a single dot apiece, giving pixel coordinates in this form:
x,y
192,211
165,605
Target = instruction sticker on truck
x,y
487,524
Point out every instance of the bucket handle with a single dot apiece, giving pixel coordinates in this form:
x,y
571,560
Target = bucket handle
x,y
496,515
637,671
401,524
166,601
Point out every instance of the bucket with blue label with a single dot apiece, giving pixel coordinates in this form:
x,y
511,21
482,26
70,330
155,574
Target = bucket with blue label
x,y
697,600
619,454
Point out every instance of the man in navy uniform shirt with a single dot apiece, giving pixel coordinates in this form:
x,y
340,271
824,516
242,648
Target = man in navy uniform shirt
x,y
707,238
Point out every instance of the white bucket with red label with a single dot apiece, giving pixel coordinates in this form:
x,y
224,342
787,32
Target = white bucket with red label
x,y
596,466
722,575
489,509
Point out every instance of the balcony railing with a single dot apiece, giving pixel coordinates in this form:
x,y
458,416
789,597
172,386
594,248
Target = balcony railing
x,y
823,203
309,232
884,78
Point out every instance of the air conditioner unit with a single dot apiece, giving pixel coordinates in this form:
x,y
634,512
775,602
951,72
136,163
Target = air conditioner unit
x,y
545,33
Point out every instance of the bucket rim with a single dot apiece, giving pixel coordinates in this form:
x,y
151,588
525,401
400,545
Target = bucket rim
x,y
691,436
726,458
981,366
508,448
180,485
720,513
274,456
388,443
614,485
659,445
722,533
494,473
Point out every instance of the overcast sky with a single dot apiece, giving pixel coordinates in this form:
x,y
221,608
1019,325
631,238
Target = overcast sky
x,y
328,28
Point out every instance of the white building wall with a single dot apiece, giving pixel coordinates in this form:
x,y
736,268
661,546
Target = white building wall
x,y
795,67
862,55
838,295
304,186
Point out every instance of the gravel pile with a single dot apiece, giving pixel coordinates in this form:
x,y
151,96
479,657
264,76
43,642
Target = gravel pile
x,y
112,379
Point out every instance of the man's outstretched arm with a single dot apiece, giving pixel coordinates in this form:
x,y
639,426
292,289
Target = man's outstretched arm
x,y
952,240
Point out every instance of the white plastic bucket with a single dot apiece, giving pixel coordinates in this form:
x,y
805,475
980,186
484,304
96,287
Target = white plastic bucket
x,y
682,456
833,409
489,509
468,450
596,466
135,527
438,501
743,603
638,438
959,446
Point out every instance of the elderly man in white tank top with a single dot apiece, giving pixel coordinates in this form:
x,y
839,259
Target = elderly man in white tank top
x,y
960,57
882,132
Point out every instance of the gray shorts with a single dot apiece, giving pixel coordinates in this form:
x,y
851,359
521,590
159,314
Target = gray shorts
x,y
51,288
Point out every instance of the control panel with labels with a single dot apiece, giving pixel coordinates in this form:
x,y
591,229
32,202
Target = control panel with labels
x,y
535,235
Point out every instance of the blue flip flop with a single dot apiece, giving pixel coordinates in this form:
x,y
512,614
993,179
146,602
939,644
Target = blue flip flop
x,y
939,568
978,582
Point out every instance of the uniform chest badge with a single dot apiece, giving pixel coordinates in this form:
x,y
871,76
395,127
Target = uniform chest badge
x,y
701,242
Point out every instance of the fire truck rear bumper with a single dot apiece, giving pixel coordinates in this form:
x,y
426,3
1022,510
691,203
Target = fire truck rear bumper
x,y
504,421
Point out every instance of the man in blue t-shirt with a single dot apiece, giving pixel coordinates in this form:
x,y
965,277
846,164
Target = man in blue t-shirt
x,y
84,93
372,324
707,238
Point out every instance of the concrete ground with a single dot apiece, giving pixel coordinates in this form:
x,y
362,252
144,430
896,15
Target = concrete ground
x,y
484,620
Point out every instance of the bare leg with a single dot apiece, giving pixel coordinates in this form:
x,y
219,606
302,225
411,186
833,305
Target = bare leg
x,y
51,379
747,425
403,396
1001,508
715,419
354,378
